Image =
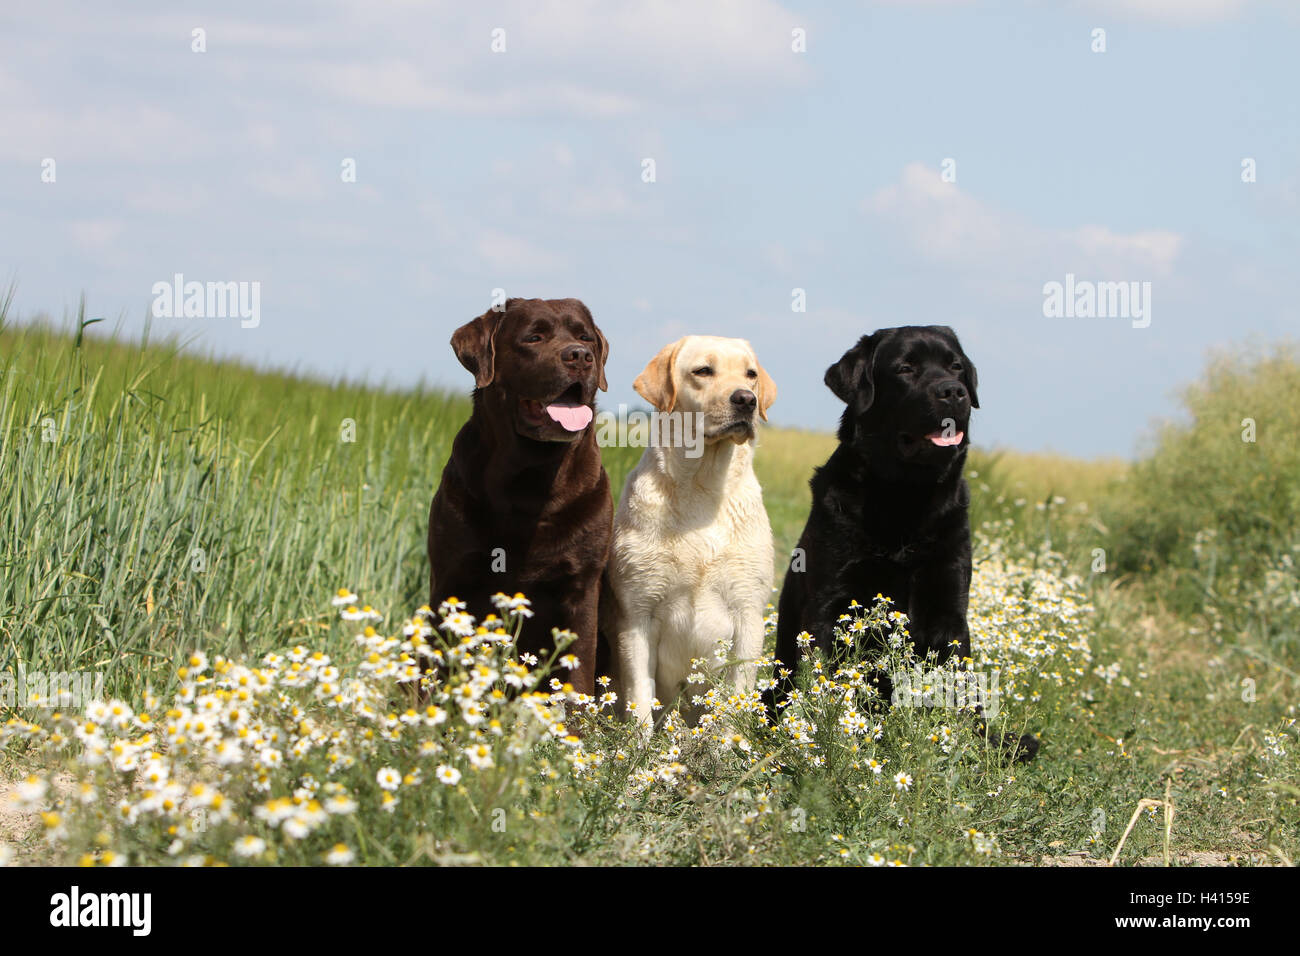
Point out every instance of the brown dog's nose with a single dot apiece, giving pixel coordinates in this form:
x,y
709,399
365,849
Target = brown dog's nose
x,y
576,354
744,399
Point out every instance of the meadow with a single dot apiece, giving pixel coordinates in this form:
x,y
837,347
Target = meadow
x,y
238,555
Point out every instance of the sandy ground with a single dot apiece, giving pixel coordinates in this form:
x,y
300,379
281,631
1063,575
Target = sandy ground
x,y
1185,858
17,826
14,825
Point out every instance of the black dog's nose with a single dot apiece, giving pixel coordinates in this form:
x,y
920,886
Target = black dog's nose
x,y
744,399
577,353
951,391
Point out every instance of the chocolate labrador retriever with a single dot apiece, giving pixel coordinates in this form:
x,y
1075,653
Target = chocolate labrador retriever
x,y
889,508
524,503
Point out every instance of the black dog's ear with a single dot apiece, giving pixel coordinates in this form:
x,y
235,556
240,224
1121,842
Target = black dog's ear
x,y
851,377
969,377
474,345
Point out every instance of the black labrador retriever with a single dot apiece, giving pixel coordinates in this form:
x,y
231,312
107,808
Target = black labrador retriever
x,y
524,503
889,508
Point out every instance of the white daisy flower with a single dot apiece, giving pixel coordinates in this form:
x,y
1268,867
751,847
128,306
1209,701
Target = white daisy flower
x,y
339,855
249,845
480,756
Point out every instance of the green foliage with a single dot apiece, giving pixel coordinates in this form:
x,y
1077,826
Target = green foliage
x,y
1211,518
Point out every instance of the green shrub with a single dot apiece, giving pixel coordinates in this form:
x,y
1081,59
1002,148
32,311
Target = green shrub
x,y
1212,515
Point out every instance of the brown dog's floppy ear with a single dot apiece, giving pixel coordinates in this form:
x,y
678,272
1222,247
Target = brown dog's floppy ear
x,y
603,355
851,377
656,383
765,390
474,345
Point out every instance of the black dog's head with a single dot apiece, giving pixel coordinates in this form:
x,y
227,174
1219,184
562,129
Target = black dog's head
x,y
909,393
537,363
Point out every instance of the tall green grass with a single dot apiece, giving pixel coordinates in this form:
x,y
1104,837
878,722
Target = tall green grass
x,y
155,502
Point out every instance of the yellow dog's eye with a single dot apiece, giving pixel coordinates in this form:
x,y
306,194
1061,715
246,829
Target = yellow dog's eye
x,y
752,374
703,370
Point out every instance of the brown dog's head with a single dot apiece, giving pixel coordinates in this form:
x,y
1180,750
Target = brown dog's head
x,y
717,378
537,362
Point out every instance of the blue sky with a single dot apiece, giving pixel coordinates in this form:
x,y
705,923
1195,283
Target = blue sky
x,y
775,170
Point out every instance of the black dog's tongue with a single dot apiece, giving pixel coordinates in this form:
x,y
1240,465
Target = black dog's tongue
x,y
944,441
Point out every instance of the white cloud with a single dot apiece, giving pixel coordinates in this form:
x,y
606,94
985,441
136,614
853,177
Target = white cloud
x,y
95,232
401,84
300,182
999,249
1173,11
511,255
171,199
569,56
1168,11
143,134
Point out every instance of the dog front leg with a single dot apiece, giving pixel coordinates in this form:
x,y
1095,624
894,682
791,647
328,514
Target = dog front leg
x,y
636,648
938,613
746,648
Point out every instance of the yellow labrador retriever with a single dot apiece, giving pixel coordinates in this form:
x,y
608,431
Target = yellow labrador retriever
x,y
690,568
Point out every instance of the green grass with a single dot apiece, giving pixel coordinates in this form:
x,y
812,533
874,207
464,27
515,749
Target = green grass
x,y
155,502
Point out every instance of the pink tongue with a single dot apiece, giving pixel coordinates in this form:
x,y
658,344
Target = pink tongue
x,y
573,417
939,438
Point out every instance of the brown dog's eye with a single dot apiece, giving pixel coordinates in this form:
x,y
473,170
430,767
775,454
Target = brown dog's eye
x,y
532,339
703,371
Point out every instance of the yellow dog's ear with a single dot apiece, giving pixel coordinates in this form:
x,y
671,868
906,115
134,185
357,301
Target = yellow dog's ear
x,y
657,384
766,391
475,347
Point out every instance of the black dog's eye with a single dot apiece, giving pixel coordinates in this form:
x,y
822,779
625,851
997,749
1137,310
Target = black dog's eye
x,y
904,370
751,374
957,366
703,371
